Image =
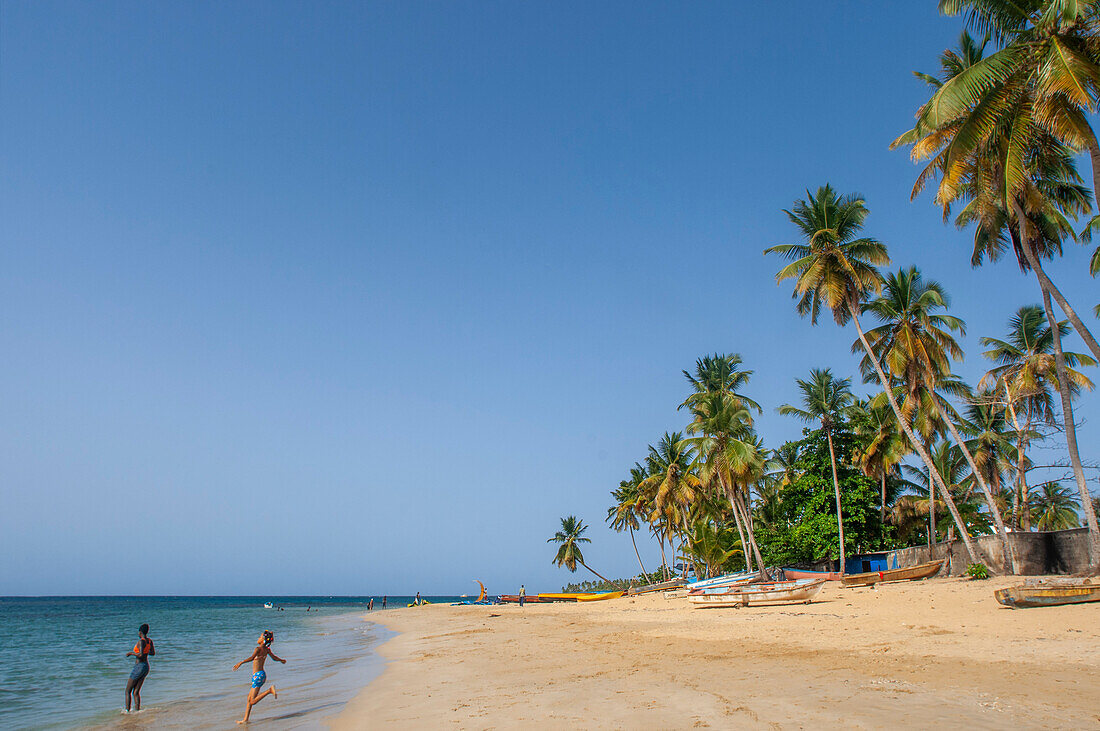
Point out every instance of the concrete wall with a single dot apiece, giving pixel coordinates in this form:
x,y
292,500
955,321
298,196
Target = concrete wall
x,y
1049,552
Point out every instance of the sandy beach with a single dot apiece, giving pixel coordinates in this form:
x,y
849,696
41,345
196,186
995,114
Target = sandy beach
x,y
910,654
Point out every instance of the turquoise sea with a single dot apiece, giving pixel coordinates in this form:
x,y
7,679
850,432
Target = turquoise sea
x,y
63,663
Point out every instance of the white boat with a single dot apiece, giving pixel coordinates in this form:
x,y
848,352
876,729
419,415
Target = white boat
x,y
724,580
802,590
268,605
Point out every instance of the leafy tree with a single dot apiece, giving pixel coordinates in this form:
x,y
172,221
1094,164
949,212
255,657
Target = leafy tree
x,y
711,548
806,529
623,515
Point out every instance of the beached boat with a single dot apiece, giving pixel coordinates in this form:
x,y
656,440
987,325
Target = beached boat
x,y
1019,597
725,579
514,599
564,597
776,592
600,597
661,586
909,573
793,574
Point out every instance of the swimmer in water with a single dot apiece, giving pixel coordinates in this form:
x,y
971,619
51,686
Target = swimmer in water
x,y
259,677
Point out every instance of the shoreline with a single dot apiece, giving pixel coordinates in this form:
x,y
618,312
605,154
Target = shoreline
x,y
908,654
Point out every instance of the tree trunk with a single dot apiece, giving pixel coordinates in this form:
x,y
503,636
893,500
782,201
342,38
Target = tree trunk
x,y
1048,285
664,560
836,491
1010,564
1071,438
735,500
631,529
1021,452
1094,158
1049,289
921,451
882,509
931,511
745,551
606,580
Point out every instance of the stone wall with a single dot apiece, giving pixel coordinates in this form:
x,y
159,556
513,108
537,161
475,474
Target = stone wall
x,y
1048,552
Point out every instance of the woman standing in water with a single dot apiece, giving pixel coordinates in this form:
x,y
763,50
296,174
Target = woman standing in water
x,y
141,652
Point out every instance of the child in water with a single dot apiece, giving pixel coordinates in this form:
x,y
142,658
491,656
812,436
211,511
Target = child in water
x,y
259,657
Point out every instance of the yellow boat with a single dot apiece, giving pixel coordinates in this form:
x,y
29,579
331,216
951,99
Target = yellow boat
x,y
563,597
600,597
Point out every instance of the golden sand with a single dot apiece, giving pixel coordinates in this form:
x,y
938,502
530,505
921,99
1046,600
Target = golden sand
x,y
908,655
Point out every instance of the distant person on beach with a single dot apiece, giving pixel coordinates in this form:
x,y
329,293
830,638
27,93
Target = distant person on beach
x,y
141,652
383,602
259,677
370,604
522,595
417,602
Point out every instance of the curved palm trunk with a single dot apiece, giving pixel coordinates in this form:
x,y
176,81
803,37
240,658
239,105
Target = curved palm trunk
x,y
1071,439
1048,286
836,491
664,560
607,580
1011,565
931,512
1049,289
921,451
631,529
741,514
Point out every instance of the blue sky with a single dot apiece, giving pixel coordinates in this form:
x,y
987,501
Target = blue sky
x,y
361,298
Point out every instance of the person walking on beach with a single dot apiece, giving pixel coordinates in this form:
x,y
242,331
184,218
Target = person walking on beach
x,y
383,601
522,595
141,652
259,677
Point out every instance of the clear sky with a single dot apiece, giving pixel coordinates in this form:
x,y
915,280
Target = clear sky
x,y
361,298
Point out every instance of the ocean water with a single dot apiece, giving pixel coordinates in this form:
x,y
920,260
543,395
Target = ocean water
x,y
63,663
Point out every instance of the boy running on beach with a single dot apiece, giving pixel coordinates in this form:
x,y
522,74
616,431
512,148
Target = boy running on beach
x,y
259,657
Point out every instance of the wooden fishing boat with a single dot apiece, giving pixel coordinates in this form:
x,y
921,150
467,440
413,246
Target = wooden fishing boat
x,y
514,599
909,573
1020,597
776,592
724,579
564,597
661,586
600,597
793,574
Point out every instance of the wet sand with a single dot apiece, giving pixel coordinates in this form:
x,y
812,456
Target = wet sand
x,y
907,655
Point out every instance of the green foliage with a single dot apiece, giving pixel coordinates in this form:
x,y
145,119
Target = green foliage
x,y
804,529
614,585
712,548
977,571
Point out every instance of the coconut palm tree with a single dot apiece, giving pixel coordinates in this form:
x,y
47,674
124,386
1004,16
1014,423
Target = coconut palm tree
x,y
719,373
886,446
623,515
916,343
569,540
1026,376
1035,92
836,267
825,400
989,441
1054,507
994,128
710,545
727,450
672,481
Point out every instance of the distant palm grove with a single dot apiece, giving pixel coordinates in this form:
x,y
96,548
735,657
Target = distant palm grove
x,y
923,456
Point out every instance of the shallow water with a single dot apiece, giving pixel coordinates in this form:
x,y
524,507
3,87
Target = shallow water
x,y
63,664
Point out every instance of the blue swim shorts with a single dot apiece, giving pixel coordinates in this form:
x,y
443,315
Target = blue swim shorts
x,y
258,679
